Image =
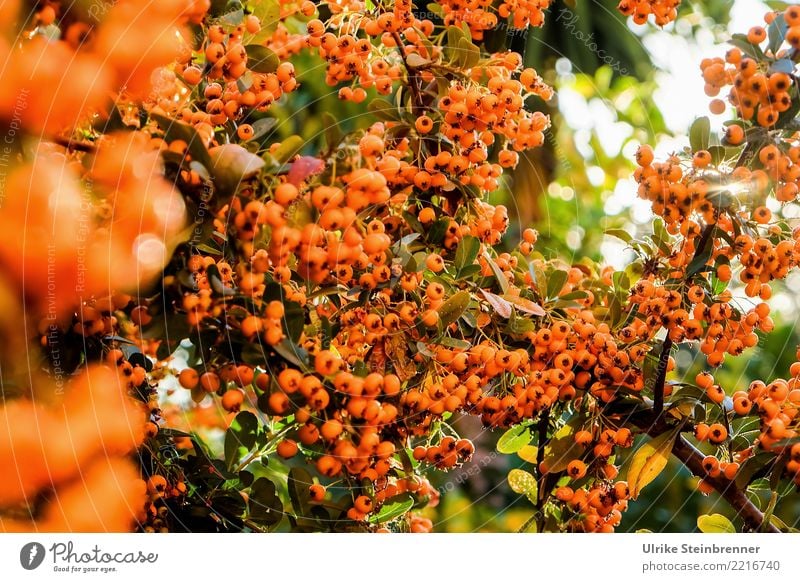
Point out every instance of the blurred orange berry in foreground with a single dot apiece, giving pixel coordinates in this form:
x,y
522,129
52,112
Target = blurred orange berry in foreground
x,y
94,426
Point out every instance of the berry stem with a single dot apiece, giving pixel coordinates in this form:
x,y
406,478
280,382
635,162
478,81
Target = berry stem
x,y
413,83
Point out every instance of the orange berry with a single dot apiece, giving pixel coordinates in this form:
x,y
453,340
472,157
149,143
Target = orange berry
x,y
189,378
287,448
232,400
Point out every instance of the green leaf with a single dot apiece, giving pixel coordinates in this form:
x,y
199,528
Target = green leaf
x,y
233,18
383,110
562,448
661,237
452,309
520,325
264,505
468,54
718,154
698,263
700,134
555,282
498,273
619,233
299,480
333,135
240,437
292,353
393,508
269,13
715,523
288,149
782,66
262,127
231,164
452,342
261,59
776,33
740,41
514,439
183,131
466,253
648,461
454,35
523,483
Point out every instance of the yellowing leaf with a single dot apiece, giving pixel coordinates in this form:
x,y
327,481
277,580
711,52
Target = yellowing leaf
x,y
715,523
562,448
649,461
500,305
526,305
523,483
528,453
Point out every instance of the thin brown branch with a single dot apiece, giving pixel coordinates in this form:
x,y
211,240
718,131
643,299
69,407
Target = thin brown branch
x,y
658,389
693,460
413,79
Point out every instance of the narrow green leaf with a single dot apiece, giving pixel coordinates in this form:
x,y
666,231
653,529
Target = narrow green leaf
x,y
619,233
383,110
776,33
393,508
555,282
240,437
288,148
498,273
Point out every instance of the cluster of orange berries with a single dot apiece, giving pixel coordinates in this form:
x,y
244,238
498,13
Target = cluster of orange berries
x,y
755,93
448,453
663,11
285,43
64,252
776,404
524,13
476,14
79,448
348,58
759,90
226,97
156,512
695,318
597,508
475,115
351,58
673,195
385,490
